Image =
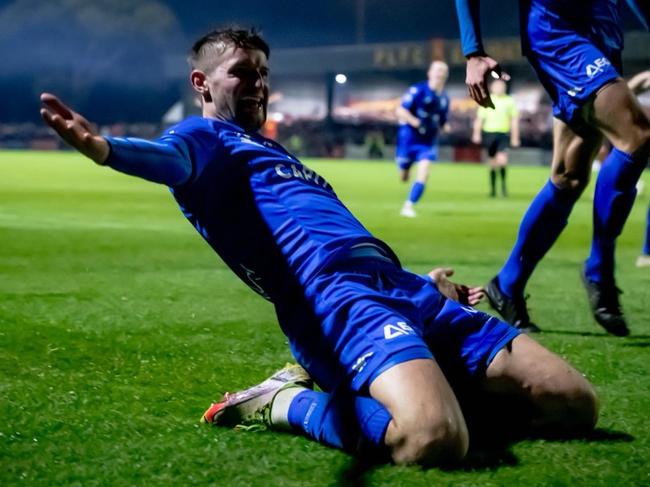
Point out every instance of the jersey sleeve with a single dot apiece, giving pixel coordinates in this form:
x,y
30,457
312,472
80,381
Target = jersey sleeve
x,y
165,162
468,12
480,112
200,141
172,159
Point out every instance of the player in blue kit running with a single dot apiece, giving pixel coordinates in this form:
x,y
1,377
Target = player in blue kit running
x,y
575,49
385,346
422,115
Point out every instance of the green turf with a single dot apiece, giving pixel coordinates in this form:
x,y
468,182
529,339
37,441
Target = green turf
x,y
118,326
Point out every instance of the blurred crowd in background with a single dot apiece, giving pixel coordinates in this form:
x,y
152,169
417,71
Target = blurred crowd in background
x,y
122,64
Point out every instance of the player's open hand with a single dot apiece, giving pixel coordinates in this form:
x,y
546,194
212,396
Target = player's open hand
x,y
458,292
74,128
479,68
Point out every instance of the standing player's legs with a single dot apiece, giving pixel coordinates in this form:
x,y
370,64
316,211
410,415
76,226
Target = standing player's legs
x,y
555,398
496,143
617,113
544,220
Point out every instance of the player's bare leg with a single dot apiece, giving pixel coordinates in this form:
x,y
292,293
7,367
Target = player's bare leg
x,y
618,114
558,397
427,424
572,156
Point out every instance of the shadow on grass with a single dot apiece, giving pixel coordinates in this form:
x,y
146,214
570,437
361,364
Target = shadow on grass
x,y
355,473
603,436
488,452
637,344
491,446
485,454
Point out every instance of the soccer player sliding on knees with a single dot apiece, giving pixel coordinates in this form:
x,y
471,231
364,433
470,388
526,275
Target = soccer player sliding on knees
x,y
389,349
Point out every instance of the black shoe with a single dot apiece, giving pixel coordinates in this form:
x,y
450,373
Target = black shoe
x,y
603,299
512,310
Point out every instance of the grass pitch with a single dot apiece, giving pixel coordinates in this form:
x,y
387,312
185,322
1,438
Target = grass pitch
x,y
119,326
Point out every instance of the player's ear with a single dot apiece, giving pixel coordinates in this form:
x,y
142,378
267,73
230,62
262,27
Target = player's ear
x,y
199,82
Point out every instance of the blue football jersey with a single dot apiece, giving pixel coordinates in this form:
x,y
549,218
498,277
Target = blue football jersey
x,y
273,220
429,107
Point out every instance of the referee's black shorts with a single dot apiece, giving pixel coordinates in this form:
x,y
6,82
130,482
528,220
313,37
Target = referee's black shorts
x,y
495,142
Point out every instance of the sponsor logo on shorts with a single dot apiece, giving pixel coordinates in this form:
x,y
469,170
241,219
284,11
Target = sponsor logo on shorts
x,y
574,91
361,362
396,330
597,67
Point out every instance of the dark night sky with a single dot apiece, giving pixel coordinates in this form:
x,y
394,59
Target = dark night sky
x,y
95,50
289,23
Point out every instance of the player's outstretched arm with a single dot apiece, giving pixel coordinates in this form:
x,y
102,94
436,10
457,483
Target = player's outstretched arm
x,y
458,292
74,128
165,161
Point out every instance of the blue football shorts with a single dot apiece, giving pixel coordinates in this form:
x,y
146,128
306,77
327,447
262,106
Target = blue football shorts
x,y
368,315
412,147
571,62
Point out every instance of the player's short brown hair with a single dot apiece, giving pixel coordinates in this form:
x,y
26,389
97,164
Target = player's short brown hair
x,y
218,40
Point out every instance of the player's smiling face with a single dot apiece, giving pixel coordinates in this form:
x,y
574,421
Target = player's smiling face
x,y
238,87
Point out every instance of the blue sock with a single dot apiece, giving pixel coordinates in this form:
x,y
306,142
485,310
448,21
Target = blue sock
x,y
340,421
542,224
646,245
416,192
613,200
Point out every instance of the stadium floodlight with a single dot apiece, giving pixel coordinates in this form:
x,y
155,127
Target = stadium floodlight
x,y
276,116
341,78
